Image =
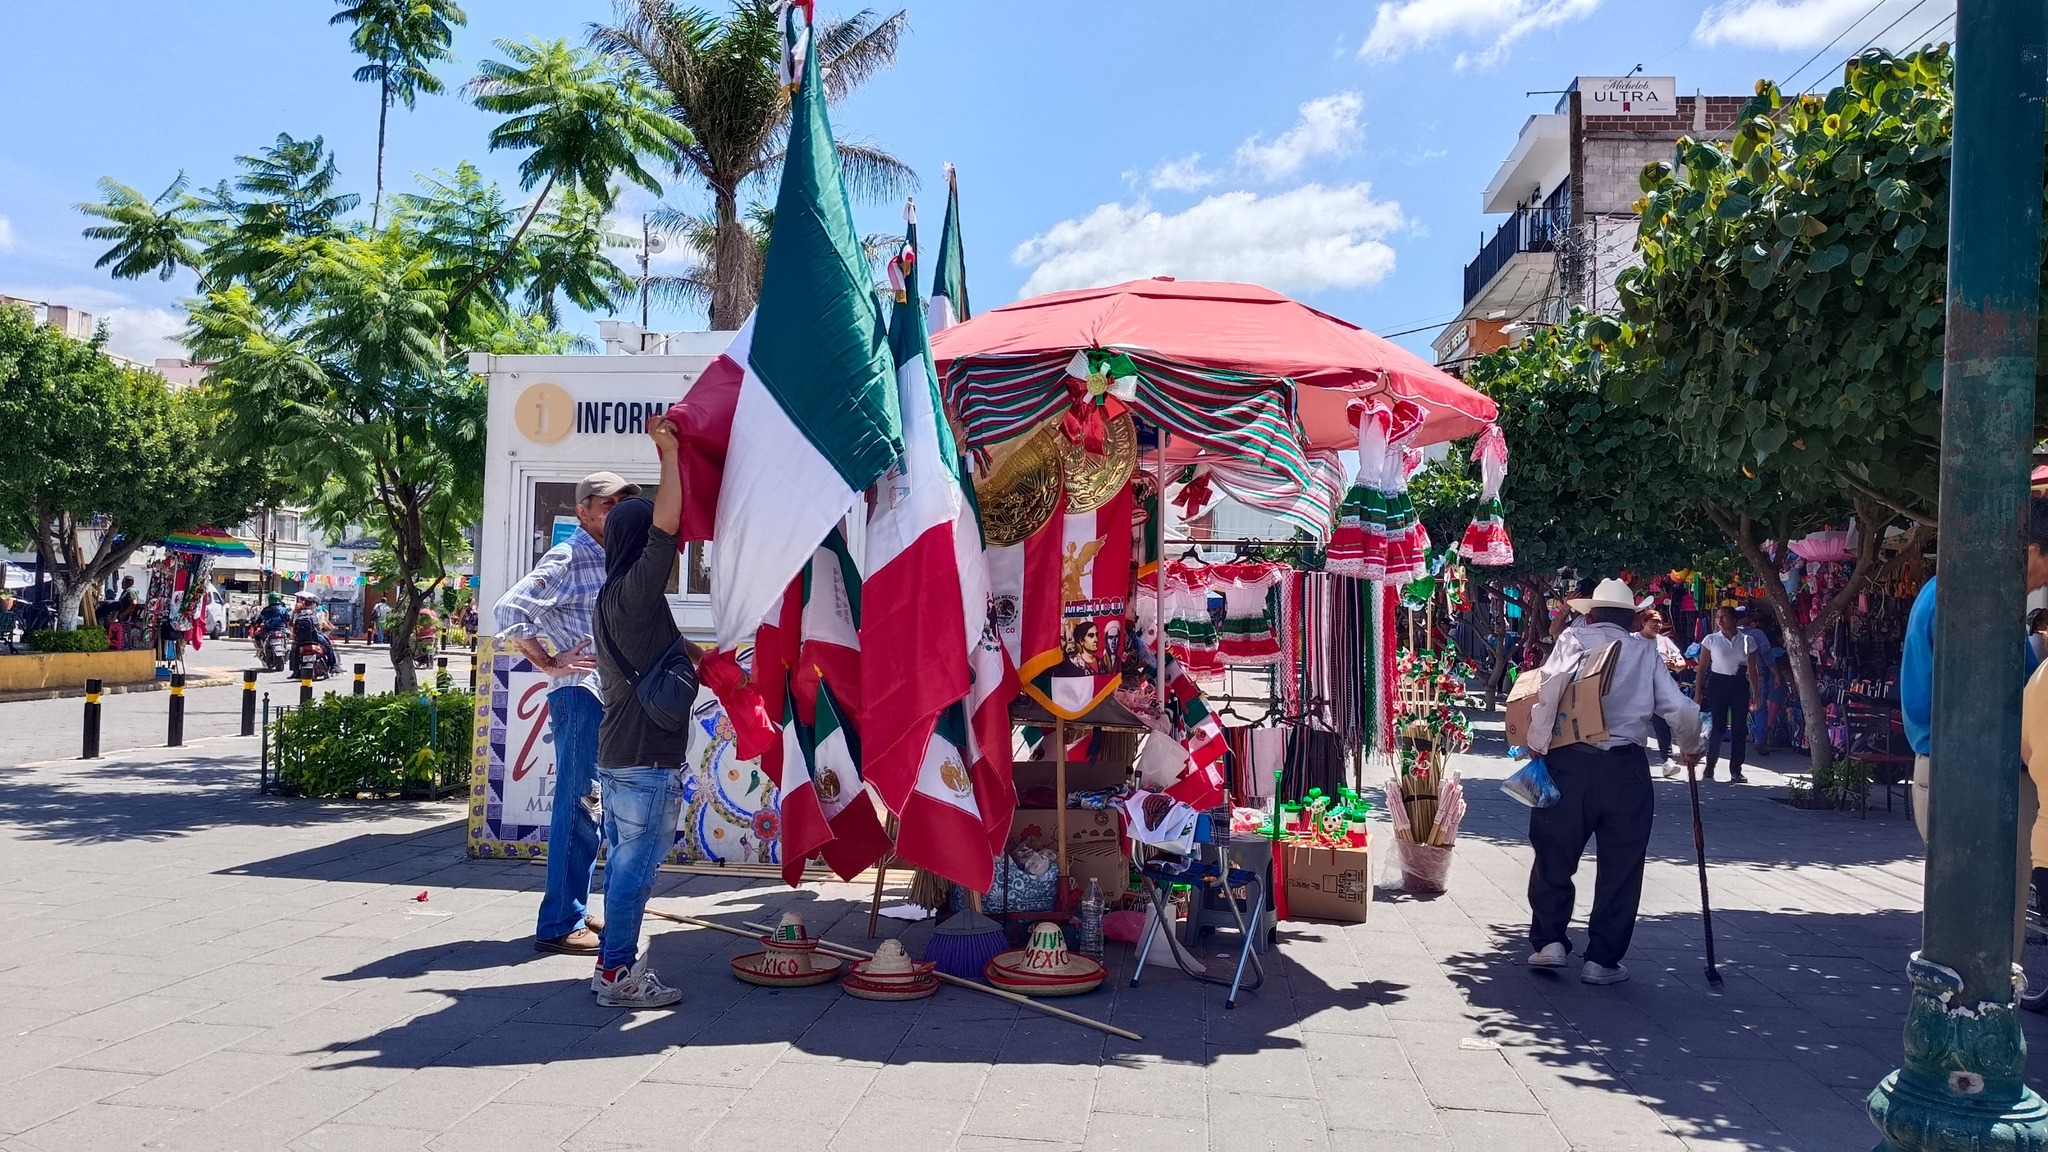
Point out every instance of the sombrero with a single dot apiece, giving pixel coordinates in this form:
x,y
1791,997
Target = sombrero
x,y
891,975
1044,967
791,961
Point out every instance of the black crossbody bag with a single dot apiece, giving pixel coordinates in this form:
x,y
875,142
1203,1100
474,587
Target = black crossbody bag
x,y
667,691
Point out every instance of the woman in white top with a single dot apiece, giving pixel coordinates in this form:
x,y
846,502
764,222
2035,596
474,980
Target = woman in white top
x,y
1650,626
1729,690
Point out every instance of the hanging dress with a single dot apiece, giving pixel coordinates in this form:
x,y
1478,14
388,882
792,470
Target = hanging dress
x,y
1250,636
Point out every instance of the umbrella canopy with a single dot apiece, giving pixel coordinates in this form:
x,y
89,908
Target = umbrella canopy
x,y
205,540
1222,327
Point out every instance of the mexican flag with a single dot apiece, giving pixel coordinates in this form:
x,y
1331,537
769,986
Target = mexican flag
x,y
914,661
828,645
1069,648
949,275
944,825
816,419
858,838
804,827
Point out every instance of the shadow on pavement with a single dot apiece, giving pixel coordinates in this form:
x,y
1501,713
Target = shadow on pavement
x,y
87,803
1810,1017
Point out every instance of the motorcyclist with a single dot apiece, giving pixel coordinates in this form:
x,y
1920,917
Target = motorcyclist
x,y
309,626
274,615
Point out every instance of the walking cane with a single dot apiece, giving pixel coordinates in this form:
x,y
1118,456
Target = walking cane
x,y
1699,844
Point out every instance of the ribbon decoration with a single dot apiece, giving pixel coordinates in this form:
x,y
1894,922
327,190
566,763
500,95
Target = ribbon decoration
x,y
1195,492
1100,384
796,41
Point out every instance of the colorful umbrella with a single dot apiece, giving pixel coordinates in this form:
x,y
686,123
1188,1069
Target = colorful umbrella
x,y
1200,343
205,540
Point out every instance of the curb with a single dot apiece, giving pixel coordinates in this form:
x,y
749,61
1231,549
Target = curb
x,y
191,682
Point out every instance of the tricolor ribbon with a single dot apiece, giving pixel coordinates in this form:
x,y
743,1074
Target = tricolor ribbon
x,y
1099,385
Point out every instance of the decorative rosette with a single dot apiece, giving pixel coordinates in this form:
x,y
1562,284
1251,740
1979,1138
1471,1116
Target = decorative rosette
x,y
1099,385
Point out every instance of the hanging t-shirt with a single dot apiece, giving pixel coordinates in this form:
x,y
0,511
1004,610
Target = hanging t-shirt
x,y
1160,821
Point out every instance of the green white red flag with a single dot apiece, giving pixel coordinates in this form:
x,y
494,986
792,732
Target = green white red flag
x,y
804,827
915,662
816,419
949,274
858,839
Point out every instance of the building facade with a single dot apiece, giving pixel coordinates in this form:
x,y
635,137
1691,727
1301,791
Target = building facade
x,y
1569,190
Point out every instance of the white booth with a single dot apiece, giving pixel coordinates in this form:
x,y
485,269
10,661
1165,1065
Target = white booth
x,y
554,420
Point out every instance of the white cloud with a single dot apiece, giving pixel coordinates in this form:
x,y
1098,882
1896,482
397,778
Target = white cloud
x,y
1303,240
145,334
6,234
1183,175
1328,125
1789,25
137,331
1403,26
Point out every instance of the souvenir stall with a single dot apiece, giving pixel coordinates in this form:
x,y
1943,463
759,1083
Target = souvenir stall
x,y
1095,420
178,579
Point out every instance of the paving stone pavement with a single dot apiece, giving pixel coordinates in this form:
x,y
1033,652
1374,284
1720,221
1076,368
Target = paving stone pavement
x,y
191,966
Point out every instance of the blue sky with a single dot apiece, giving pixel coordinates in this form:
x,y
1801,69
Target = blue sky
x,y
1332,151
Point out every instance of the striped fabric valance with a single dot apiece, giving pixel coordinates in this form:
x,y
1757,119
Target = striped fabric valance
x,y
1311,507
1249,419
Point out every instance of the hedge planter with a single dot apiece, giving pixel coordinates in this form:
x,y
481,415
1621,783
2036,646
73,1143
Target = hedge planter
x,y
44,671
404,746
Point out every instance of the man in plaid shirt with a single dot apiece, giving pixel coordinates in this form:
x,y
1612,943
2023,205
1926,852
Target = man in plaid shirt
x,y
548,617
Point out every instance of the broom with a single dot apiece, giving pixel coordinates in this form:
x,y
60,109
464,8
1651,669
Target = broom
x,y
963,945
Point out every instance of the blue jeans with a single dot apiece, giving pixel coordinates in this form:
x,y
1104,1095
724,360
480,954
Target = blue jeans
x,y
573,715
641,807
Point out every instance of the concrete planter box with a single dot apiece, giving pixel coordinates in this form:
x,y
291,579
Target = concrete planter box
x,y
41,671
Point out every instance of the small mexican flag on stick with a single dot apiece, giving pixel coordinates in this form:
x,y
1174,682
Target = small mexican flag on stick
x,y
949,274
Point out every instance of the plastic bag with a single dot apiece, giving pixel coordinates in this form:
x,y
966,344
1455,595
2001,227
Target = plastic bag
x,y
1532,785
1424,867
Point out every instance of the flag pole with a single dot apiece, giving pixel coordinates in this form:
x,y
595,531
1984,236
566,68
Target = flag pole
x,y
1059,787
1159,575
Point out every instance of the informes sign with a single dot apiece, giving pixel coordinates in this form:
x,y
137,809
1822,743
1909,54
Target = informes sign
x,y
1628,95
730,807
564,527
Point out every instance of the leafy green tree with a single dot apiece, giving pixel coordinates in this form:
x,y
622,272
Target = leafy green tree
x,y
402,40
720,77
103,459
148,235
583,121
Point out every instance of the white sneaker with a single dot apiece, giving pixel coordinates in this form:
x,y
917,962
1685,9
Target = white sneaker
x,y
637,987
597,977
1601,974
1550,956
1671,770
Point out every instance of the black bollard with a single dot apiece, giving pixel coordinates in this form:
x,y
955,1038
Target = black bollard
x,y
472,673
305,691
361,671
249,703
176,737
92,721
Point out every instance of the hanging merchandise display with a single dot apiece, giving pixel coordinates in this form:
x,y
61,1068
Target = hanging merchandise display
x,y
1069,628
1018,486
1431,796
1378,534
1486,540
1250,633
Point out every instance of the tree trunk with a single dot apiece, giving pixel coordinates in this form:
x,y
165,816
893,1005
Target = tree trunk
x,y
511,246
733,287
383,114
1799,636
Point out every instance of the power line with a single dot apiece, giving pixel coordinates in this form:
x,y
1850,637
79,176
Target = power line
x,y
1874,39
1922,38
1867,13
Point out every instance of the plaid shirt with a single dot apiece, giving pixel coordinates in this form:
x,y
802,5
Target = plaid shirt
x,y
556,603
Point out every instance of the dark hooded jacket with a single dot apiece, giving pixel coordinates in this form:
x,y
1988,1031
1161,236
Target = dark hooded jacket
x,y
634,621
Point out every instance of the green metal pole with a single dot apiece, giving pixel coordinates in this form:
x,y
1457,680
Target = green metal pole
x,y
1961,1086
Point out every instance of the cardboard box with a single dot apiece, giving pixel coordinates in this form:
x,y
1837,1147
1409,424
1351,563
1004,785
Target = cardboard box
x,y
1580,719
1328,883
1094,847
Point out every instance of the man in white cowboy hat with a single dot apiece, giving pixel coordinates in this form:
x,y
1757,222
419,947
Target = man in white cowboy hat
x,y
1604,789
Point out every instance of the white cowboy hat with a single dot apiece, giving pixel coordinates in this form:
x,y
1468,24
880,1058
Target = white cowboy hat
x,y
1610,594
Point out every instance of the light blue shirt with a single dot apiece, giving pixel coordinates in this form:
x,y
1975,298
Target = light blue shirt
x,y
1916,672
556,603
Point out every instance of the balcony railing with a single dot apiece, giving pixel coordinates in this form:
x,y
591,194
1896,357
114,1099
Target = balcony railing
x,y
1527,230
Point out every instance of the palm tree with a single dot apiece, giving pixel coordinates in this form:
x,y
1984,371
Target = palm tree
x,y
696,238
582,121
148,235
720,78
402,39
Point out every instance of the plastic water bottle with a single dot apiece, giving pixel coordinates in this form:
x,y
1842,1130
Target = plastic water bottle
x,y
1091,920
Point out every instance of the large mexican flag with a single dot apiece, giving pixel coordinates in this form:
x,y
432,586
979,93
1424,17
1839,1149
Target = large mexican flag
x,y
816,420
949,275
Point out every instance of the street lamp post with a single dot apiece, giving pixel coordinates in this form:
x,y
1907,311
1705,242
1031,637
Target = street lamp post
x,y
1961,1086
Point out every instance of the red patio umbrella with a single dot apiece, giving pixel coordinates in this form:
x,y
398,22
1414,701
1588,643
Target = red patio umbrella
x,y
1228,327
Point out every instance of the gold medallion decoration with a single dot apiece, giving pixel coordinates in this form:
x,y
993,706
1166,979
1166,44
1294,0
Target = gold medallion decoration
x,y
1020,488
1092,480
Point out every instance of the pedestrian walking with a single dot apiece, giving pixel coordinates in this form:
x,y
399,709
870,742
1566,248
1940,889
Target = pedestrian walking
x,y
1729,690
1916,708
548,616
1604,790
640,761
1650,624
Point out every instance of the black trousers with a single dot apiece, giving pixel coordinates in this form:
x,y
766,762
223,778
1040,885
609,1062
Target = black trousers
x,y
1604,795
1727,706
